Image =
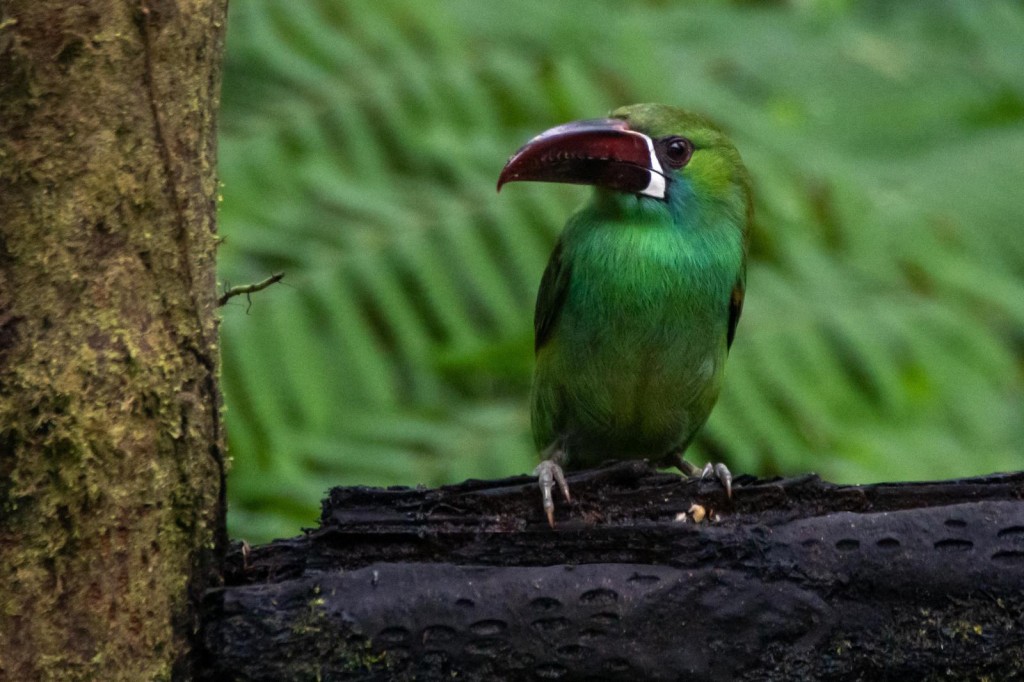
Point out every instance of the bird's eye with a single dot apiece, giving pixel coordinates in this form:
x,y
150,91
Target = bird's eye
x,y
678,151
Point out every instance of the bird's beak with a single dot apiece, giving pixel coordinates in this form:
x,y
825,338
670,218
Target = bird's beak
x,y
602,152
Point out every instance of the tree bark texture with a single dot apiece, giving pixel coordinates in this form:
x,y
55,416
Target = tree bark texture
x,y
111,450
791,579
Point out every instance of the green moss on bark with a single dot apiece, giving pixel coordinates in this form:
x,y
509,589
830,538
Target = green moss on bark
x,y
111,452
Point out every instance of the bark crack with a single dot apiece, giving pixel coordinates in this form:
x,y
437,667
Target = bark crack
x,y
200,353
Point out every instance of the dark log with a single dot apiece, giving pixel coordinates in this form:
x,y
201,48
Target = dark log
x,y
791,579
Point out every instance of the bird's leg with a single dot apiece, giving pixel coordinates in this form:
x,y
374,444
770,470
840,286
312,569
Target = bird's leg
x,y
675,458
721,472
548,472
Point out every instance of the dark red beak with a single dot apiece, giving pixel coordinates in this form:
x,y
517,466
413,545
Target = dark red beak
x,y
602,152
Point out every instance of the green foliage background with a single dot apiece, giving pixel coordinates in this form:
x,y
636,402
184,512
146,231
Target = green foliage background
x,y
883,334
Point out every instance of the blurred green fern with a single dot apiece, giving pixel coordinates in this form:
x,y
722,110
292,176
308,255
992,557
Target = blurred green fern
x,y
883,333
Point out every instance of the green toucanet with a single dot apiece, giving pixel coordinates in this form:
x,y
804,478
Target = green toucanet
x,y
639,303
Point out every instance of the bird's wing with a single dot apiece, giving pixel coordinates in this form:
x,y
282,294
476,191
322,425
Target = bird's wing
x,y
736,305
554,286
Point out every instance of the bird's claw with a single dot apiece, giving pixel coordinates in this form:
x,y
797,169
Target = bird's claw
x,y
721,472
548,473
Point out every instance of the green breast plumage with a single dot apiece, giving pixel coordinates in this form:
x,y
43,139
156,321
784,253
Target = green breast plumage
x,y
633,362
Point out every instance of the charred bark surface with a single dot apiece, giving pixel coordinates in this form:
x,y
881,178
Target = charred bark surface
x,y
791,579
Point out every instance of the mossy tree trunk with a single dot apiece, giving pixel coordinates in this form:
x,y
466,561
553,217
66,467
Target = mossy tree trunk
x,y
111,450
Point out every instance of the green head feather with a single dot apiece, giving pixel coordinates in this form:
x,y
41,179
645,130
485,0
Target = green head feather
x,y
715,172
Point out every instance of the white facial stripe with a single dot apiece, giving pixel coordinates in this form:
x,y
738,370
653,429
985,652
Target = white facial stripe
x,y
656,187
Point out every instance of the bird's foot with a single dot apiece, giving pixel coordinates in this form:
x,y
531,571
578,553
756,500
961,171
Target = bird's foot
x,y
720,471
548,473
